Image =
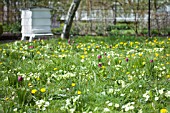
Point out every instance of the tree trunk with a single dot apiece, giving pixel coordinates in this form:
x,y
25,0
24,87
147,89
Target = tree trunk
x,y
149,18
69,19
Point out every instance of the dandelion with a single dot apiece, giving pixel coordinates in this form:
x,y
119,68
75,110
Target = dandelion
x,y
78,92
73,84
0,63
20,78
55,69
164,111
143,63
29,84
43,90
6,98
33,91
156,54
38,52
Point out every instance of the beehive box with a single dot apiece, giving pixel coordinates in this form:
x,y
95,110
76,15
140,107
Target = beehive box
x,y
35,22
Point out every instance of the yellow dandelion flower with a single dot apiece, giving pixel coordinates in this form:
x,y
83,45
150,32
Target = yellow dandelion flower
x,y
85,52
73,84
163,111
78,92
38,52
133,55
121,43
0,63
82,56
156,54
55,69
127,73
37,78
62,50
143,63
6,98
167,54
43,90
103,67
33,91
168,76
88,47
140,54
29,84
155,40
131,43
20,49
97,47
108,56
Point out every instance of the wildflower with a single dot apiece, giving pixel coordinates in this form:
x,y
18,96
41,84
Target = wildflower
x,y
31,47
15,109
116,105
0,63
167,94
55,69
99,65
78,92
143,63
37,78
161,91
156,98
73,84
151,61
164,111
38,52
69,41
127,59
103,67
30,85
156,54
6,98
43,90
20,78
99,56
33,91
106,110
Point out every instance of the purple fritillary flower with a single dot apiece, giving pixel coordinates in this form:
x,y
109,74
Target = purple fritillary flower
x,y
127,59
69,41
20,78
151,61
30,47
99,65
99,56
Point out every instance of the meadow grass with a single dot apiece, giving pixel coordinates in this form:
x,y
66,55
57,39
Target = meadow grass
x,y
86,75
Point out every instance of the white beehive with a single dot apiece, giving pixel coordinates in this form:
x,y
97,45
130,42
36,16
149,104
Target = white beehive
x,y
35,21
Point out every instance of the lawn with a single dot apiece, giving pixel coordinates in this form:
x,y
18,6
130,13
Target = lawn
x,y
86,75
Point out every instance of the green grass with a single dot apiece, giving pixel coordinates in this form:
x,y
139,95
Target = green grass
x,y
133,75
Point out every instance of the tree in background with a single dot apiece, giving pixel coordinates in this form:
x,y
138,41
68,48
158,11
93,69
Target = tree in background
x,y
69,19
